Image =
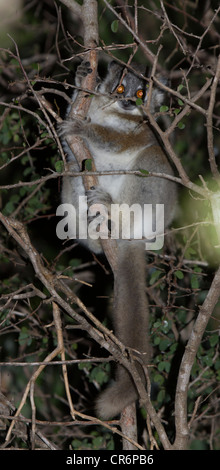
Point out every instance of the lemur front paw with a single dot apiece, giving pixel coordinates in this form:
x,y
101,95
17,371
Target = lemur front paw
x,y
97,195
72,126
83,70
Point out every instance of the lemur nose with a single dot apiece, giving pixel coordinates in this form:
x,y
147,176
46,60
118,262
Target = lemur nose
x,y
127,104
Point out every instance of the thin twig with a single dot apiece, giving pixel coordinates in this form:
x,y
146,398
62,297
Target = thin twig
x,y
58,326
27,389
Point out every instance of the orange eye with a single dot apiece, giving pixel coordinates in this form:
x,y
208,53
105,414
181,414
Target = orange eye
x,y
120,89
140,93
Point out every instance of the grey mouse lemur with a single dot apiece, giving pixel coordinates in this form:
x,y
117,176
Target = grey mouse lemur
x,y
119,137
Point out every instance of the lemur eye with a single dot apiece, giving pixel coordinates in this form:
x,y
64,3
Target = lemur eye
x,y
120,89
140,93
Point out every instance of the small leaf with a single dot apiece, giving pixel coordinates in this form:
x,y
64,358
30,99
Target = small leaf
x,y
85,366
144,172
114,26
164,365
24,336
161,396
164,344
159,379
16,138
194,282
139,102
164,109
157,340
181,126
9,207
214,340
180,102
154,276
179,274
88,164
99,375
208,361
59,166
180,87
97,442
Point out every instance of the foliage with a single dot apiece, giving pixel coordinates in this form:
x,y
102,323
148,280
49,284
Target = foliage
x,y
179,277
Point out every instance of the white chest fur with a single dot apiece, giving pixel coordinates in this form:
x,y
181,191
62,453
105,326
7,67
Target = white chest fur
x,y
108,116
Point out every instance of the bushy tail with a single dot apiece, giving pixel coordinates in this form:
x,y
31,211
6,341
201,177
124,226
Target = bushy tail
x,y
121,393
131,327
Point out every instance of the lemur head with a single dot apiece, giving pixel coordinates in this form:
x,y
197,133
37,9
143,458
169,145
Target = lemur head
x,y
126,86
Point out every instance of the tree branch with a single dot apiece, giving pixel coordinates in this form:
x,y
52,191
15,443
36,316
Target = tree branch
x,y
182,429
80,109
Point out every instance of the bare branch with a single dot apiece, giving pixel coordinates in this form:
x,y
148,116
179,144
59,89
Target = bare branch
x,y
182,429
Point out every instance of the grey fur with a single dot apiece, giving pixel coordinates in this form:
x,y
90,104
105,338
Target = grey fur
x,y
119,138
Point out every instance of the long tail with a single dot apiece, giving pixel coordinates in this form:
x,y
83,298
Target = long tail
x,y
131,326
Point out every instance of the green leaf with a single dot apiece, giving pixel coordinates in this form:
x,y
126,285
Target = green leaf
x,y
180,102
164,365
159,379
157,324
214,339
154,276
164,109
166,326
85,366
59,166
161,396
181,125
180,87
27,171
9,207
144,172
97,442
179,274
164,344
16,138
114,26
194,282
157,340
198,445
208,361
88,164
139,102
100,374
24,336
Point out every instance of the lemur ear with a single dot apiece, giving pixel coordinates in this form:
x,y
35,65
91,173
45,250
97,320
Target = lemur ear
x,y
160,93
114,70
113,66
